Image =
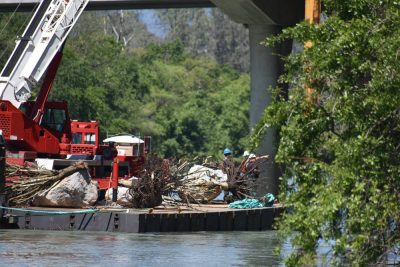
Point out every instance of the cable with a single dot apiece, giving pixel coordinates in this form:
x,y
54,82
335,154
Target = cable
x,y
44,212
12,15
19,30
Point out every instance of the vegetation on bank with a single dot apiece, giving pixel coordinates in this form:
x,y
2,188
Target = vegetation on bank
x,y
189,105
341,148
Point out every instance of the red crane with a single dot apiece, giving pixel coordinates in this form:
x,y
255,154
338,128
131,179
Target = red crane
x,y
42,130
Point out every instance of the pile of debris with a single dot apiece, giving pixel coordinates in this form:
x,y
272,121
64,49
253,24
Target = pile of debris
x,y
193,181
190,181
70,187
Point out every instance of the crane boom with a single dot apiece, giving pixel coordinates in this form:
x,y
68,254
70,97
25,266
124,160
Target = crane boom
x,y
43,37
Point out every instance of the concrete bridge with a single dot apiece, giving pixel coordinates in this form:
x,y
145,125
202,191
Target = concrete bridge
x,y
262,17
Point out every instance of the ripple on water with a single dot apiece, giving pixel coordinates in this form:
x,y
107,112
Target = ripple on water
x,y
57,248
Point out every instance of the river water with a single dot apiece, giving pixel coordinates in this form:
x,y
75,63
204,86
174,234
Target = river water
x,y
58,248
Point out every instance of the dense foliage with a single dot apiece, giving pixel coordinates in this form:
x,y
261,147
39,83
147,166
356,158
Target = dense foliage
x,y
341,147
190,106
208,32
195,28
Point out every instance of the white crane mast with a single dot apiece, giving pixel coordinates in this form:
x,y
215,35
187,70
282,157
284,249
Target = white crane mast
x,y
43,37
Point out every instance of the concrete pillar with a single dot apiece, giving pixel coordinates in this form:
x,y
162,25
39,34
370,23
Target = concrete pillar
x,y
264,18
265,68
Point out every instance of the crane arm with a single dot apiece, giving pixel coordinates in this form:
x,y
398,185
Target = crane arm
x,y
41,40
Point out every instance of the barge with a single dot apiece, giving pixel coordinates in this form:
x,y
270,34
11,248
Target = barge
x,y
211,217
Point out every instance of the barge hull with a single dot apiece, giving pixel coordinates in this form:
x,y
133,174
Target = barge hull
x,y
139,222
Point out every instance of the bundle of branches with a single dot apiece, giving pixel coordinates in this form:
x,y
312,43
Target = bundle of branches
x,y
147,191
178,170
198,190
196,186
27,182
160,177
241,182
21,173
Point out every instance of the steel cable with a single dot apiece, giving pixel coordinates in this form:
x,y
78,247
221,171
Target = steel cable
x,y
12,15
22,25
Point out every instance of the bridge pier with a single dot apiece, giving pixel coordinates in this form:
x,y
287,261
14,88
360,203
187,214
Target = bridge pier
x,y
264,73
264,19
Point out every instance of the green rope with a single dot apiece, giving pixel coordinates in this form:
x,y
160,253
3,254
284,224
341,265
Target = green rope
x,y
251,203
246,203
44,212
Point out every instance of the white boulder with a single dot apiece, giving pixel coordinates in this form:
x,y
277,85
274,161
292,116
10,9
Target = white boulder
x,y
75,191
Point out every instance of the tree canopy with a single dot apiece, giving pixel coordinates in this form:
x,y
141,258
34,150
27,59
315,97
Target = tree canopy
x,y
340,146
189,105
208,32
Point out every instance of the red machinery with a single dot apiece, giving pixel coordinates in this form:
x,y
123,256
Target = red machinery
x,y
41,130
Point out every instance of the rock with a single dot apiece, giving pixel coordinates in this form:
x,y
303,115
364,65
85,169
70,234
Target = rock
x,y
75,191
123,197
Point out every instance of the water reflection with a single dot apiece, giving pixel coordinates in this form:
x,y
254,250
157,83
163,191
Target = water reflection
x,y
49,248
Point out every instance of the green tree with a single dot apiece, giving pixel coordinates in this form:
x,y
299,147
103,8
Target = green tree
x,y
197,106
207,32
100,83
189,105
231,42
341,152
11,26
189,26
126,26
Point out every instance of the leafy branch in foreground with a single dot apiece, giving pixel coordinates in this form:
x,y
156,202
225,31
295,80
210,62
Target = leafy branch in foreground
x,y
342,175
